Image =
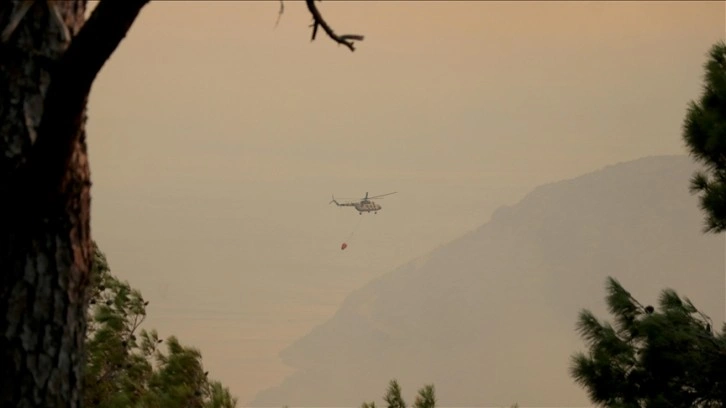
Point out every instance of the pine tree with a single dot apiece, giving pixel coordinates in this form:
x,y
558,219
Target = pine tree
x,y
393,396
126,366
669,357
704,132
426,397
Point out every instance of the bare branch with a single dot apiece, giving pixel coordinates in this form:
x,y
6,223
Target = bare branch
x,y
346,39
354,37
65,103
279,13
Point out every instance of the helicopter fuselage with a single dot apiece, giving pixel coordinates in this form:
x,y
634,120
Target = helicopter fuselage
x,y
366,206
361,206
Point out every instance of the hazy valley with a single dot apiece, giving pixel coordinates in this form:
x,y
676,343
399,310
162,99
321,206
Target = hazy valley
x,y
489,318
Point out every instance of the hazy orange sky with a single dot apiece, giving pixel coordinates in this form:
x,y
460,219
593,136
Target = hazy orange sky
x,y
216,141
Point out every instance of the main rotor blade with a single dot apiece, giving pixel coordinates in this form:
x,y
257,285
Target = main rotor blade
x,y
383,195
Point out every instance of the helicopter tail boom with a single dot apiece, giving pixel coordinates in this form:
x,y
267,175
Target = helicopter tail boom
x,y
341,204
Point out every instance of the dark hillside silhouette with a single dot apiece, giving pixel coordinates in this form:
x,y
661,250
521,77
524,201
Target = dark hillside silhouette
x,y
490,317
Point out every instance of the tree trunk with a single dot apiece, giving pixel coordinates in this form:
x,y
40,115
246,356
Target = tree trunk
x,y
49,57
45,242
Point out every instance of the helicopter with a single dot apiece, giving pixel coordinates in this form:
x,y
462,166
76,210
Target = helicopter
x,y
364,205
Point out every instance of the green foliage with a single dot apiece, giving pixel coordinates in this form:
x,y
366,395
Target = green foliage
x,y
426,397
393,396
669,357
704,131
125,366
651,358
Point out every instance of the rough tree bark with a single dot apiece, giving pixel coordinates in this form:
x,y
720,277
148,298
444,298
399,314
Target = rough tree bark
x,y
49,58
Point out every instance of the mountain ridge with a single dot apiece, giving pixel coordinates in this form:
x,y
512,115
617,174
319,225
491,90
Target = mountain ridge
x,y
489,317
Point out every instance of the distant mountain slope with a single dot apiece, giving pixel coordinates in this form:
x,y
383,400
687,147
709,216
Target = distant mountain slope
x,y
489,318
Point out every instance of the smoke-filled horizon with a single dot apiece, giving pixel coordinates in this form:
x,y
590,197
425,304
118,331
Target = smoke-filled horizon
x,y
217,139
